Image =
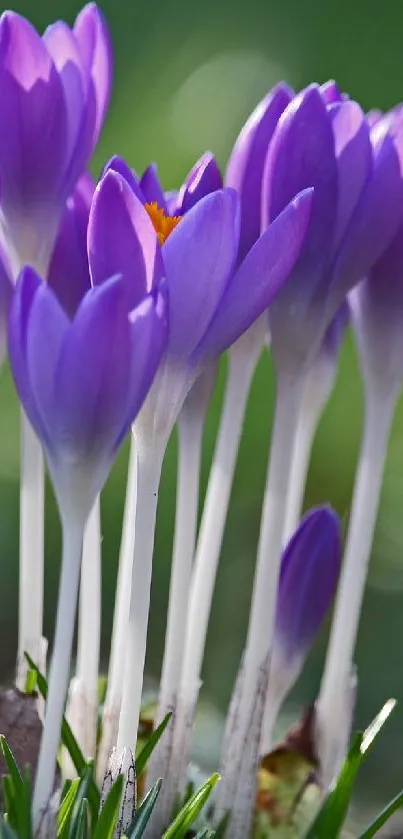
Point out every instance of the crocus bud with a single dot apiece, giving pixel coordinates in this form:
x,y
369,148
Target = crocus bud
x,y
308,578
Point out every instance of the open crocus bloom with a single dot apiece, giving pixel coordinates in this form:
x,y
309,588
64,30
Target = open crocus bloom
x,y
210,303
54,92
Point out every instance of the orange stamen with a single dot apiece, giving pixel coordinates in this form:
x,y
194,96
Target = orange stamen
x,y
164,225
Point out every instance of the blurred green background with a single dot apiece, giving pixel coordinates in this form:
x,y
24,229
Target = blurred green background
x,y
187,75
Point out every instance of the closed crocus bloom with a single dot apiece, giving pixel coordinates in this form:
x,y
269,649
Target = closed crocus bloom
x,y
309,573
82,412
69,274
357,209
54,91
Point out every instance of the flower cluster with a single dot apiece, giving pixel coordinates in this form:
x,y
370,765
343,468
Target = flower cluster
x,y
117,300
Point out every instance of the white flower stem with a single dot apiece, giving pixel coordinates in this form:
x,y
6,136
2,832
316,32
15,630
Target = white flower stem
x,y
317,389
89,633
60,668
31,581
113,698
190,445
150,457
368,483
241,367
261,625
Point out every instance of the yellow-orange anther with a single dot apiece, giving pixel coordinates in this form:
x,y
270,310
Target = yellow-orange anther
x,y
164,225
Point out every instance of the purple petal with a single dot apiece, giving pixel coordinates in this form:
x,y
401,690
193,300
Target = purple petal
x,y
122,239
246,164
203,178
331,93
199,256
117,164
376,219
47,328
302,155
151,188
27,286
34,146
308,578
92,35
69,275
354,159
259,277
63,48
373,117
93,376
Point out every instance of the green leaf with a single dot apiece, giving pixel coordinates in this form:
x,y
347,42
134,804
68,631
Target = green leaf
x,y
17,793
82,792
70,742
108,816
191,810
206,833
383,817
147,750
66,807
12,767
328,822
81,828
332,814
143,814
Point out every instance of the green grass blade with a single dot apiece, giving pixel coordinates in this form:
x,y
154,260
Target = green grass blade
x,y
12,767
147,750
81,828
66,809
188,814
70,742
18,794
143,814
82,793
108,816
383,817
334,809
328,822
206,833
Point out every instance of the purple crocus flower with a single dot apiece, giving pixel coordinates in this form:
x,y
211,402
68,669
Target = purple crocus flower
x,y
54,92
309,573
82,381
208,306
357,209
69,275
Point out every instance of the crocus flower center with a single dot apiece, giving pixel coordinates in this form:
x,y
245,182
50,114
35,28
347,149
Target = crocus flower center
x,y
163,224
